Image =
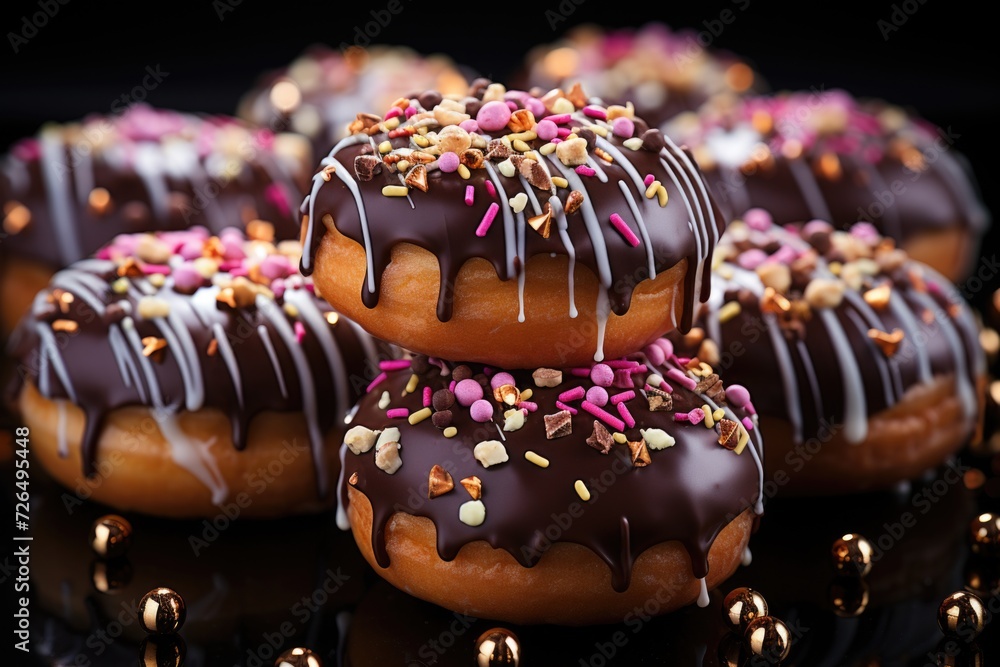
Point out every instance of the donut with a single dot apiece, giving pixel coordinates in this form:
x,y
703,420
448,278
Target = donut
x,y
586,238
212,378
865,364
73,188
662,71
552,496
320,92
828,156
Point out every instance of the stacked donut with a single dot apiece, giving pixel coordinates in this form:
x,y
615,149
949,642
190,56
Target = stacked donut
x,y
529,251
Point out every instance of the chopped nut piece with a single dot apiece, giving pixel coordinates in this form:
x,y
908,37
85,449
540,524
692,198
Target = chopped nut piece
x,y
472,158
712,387
640,455
454,139
776,276
521,120
709,351
887,342
153,347
772,302
507,393
417,178
130,269
728,433
490,452
353,480
558,425
823,293
474,486
439,482
547,377
364,122
497,150
150,307
535,174
152,250
601,439
572,152
513,420
574,200
878,297
360,439
387,457
659,400
472,513
657,438
390,434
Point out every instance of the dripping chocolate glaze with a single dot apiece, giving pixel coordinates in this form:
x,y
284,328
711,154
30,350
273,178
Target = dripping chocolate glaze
x,y
52,176
833,376
440,221
688,492
318,375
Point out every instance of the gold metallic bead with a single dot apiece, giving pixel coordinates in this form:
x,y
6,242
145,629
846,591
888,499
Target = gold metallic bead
x,y
852,555
162,651
962,615
162,611
848,596
110,576
496,647
298,657
741,606
985,533
769,638
731,651
111,536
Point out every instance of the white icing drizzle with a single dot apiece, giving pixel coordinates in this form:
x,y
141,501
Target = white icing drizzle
x,y
562,225
630,169
195,392
50,355
888,383
963,383
53,156
265,338
306,304
703,599
229,358
855,413
508,218
747,557
809,187
192,454
148,165
908,322
807,364
121,357
788,378
83,176
603,310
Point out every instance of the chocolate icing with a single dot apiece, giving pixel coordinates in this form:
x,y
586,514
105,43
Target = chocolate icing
x,y
818,367
828,156
688,492
163,170
276,351
440,221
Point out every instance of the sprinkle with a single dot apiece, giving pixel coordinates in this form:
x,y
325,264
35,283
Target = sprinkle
x,y
626,415
623,229
528,405
696,415
507,168
661,195
470,195
602,375
573,394
377,381
428,394
450,432
744,439
549,148
559,118
679,377
604,416
729,311
491,213
623,396
582,490
580,372
649,180
300,332
604,155
598,396
527,394
651,189
385,147
397,413
681,417
622,363
559,182
709,417
152,347
595,112
600,130
472,513
384,400
635,143
411,384
568,408
419,415
213,347
654,380
395,191
520,146
394,364
518,202
491,189
718,414
68,326
539,461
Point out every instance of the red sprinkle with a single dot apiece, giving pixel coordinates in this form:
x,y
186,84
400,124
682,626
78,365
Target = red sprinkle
x,y
397,413
574,394
470,195
377,381
427,397
584,170
626,415
568,408
491,213
623,396
618,223
491,189
394,364
604,416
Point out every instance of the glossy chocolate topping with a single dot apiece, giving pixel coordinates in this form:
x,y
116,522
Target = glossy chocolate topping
x,y
689,488
582,180
827,156
829,327
73,188
185,321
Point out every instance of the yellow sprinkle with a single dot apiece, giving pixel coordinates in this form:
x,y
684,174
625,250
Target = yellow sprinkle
x,y
505,141
635,143
520,146
464,172
403,166
582,490
547,149
384,147
120,286
661,194
600,130
744,439
450,432
419,416
421,141
651,190
729,311
620,438
572,136
422,130
526,394
529,135
532,155
395,191
835,268
718,414
709,417
411,385
391,124
559,182
539,461
156,279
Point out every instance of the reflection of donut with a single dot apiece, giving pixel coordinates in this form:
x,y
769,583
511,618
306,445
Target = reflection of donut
x,y
588,247
211,377
74,187
865,365
828,156
666,510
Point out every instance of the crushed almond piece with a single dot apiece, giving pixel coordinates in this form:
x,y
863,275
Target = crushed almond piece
x,y
353,481
887,342
728,433
659,400
574,200
439,482
474,486
640,454
153,348
878,297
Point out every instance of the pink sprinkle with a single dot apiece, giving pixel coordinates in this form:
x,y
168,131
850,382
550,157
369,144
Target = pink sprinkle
x,y
451,386
623,396
681,417
490,189
655,354
737,395
392,113
623,127
696,416
665,345
573,394
559,118
491,213
604,416
530,406
683,361
564,132
623,379
470,195
469,125
427,397
410,110
580,372
397,413
758,219
641,368
468,391
379,379
679,377
300,331
546,130
623,229
649,179
568,408
622,363
394,364
748,423
595,112
626,415
584,170
161,269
